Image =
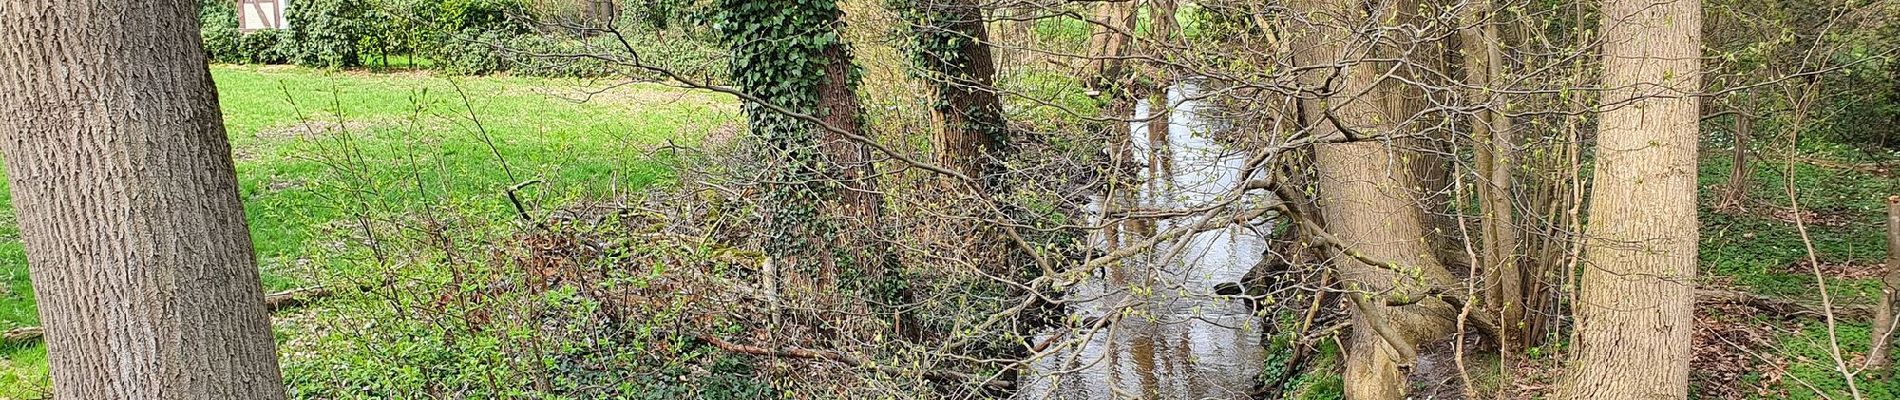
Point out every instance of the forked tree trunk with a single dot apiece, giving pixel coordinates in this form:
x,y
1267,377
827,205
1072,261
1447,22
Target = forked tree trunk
x,y
1635,301
128,204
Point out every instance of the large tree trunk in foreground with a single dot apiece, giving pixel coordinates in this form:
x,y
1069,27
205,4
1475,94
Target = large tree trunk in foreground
x,y
1369,200
1366,203
128,204
1634,306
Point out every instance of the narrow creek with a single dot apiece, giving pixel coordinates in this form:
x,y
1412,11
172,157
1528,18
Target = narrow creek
x,y
1174,338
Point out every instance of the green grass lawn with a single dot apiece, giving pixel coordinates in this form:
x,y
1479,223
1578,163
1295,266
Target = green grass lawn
x,y
314,147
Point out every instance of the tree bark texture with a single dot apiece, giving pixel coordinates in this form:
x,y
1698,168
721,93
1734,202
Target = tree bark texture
x,y
1369,196
956,55
1635,301
128,204
860,202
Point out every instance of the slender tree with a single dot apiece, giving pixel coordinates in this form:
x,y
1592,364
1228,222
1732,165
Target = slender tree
x,y
1491,140
1114,26
128,204
1635,299
1884,324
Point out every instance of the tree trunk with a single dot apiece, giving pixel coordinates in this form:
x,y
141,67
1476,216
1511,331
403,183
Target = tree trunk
x,y
1736,192
1114,25
955,48
1369,198
1634,306
1889,283
860,202
128,204
1162,27
1491,139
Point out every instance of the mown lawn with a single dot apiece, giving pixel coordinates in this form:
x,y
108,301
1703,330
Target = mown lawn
x,y
314,148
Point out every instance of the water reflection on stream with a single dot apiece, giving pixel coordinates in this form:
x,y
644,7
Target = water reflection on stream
x,y
1176,339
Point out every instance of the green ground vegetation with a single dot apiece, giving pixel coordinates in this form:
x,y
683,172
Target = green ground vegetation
x,y
315,149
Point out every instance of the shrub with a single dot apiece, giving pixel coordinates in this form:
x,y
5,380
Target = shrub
x,y
466,36
327,32
503,16
218,25
472,52
224,43
269,46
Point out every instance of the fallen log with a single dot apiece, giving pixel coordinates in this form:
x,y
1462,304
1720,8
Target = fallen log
x,y
1779,306
17,335
272,303
293,297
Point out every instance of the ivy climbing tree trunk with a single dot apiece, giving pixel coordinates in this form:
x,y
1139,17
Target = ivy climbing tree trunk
x,y
1635,298
821,202
951,49
860,204
128,204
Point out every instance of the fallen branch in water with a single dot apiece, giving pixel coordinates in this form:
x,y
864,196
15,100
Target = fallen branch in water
x,y
272,303
847,359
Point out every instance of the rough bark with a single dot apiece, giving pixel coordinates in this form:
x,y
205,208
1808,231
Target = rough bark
x,y
1491,140
968,115
128,204
1878,357
1369,199
860,203
1635,301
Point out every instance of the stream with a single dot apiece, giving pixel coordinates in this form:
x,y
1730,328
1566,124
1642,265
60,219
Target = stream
x,y
1174,339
